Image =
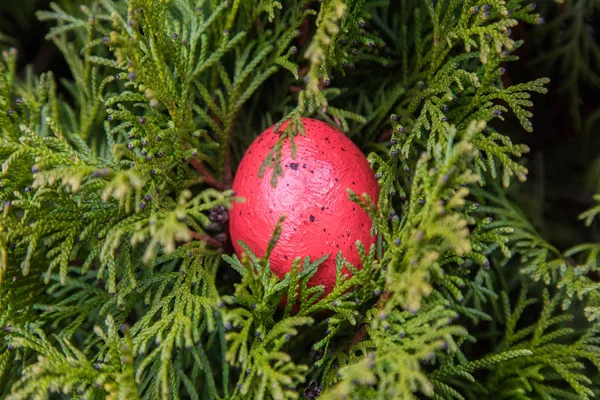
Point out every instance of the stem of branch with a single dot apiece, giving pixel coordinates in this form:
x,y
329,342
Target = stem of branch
x,y
205,238
360,334
208,178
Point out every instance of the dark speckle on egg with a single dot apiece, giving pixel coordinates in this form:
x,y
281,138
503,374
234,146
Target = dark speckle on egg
x,y
312,218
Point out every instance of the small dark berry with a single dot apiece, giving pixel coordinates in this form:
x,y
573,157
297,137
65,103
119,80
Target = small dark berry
x,y
105,40
397,242
109,118
175,36
378,176
19,101
152,172
142,120
118,77
142,205
362,24
131,76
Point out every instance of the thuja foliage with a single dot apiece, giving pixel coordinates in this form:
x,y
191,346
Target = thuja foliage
x,y
117,279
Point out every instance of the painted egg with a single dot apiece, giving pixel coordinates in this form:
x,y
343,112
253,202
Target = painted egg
x,y
320,217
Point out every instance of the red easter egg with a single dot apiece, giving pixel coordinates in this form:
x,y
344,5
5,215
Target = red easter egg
x,y
320,217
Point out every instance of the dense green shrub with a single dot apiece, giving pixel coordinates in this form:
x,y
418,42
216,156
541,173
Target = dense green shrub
x,y
112,281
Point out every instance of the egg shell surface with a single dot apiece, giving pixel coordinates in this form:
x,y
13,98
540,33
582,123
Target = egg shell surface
x,y
320,217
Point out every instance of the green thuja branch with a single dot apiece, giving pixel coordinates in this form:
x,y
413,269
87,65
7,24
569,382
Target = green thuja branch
x,y
574,51
64,369
589,215
254,333
429,91
388,364
542,261
520,368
